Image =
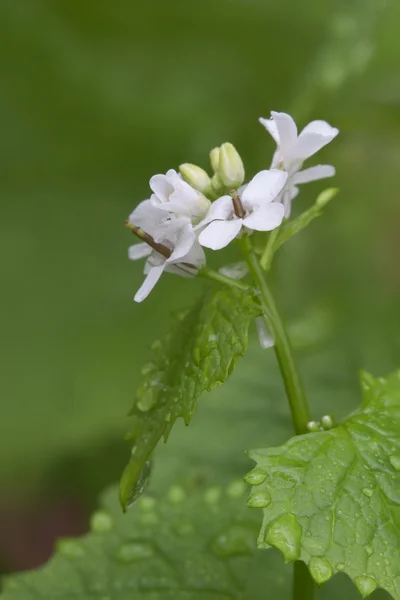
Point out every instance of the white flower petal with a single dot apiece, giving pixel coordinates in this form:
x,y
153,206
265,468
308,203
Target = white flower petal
x,y
161,187
321,128
153,276
183,244
313,174
266,217
236,270
271,127
196,256
218,234
265,337
221,209
147,216
139,251
186,200
264,187
288,195
287,131
314,136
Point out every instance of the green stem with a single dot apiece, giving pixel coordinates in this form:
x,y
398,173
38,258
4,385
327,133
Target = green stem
x,y
303,586
283,349
268,253
216,276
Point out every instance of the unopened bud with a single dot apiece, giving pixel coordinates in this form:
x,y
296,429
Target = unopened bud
x,y
214,159
195,176
313,426
327,422
231,169
217,183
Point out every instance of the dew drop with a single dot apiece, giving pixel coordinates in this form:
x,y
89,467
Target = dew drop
x,y
132,552
260,499
101,522
255,477
70,548
146,400
365,585
140,484
340,566
236,541
262,545
395,462
285,534
148,368
320,569
369,550
176,494
367,492
236,489
213,495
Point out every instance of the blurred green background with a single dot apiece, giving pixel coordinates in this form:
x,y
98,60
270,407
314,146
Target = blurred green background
x,y
95,98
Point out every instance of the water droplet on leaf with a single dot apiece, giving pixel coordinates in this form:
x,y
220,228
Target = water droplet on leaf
x,y
147,399
133,551
259,499
369,550
101,522
367,492
141,482
365,585
255,477
320,569
340,566
285,534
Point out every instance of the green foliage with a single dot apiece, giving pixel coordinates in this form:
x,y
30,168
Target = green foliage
x,y
332,499
198,355
192,543
290,228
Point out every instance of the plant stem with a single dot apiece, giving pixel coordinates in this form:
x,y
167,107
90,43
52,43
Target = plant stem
x,y
303,586
268,253
283,349
216,276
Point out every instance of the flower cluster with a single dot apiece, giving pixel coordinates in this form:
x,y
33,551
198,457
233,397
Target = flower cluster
x,y
190,210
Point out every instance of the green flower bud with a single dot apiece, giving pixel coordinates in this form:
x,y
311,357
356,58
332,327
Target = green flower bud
x,y
231,169
214,159
195,176
217,183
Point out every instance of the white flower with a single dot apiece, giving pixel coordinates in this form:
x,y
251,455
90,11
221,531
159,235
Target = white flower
x,y
293,149
148,217
176,251
221,223
172,194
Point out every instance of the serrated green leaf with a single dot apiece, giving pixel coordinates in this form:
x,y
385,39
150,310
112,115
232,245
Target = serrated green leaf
x,y
193,543
198,355
334,497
